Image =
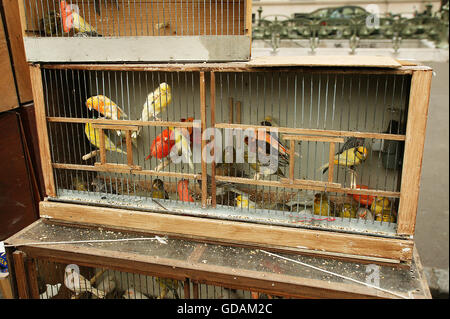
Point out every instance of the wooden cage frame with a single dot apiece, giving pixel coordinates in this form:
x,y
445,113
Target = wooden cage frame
x,y
192,48
325,242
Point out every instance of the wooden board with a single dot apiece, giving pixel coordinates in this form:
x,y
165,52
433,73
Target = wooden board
x,y
136,49
414,144
8,93
15,38
230,231
18,205
186,260
325,61
44,143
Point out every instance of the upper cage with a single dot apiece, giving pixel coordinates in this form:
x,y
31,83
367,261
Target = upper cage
x,y
136,30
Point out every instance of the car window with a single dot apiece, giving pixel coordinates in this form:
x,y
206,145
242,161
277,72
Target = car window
x,y
359,11
347,12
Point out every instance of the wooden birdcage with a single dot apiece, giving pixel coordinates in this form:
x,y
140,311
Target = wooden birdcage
x,y
127,31
364,209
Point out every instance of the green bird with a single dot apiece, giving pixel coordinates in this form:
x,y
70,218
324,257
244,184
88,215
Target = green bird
x,y
158,190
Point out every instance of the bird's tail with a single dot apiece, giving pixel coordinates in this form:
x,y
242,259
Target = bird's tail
x,y
324,168
99,293
135,134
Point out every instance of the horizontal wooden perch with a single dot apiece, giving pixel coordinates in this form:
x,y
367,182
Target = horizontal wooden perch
x,y
131,123
306,131
312,138
125,169
309,185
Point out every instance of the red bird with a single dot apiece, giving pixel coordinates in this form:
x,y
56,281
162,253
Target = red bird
x,y
161,145
183,191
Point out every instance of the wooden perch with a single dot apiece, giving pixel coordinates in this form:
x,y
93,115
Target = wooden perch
x,y
89,155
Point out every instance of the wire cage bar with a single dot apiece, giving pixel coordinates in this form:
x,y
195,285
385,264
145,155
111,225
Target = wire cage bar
x,y
192,30
303,149
50,279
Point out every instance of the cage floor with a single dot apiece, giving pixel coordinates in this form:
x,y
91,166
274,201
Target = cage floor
x,y
301,219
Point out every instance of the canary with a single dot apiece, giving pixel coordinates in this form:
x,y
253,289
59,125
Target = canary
x,y
105,106
351,142
161,145
183,191
381,209
93,136
156,102
158,190
72,20
349,158
322,206
347,211
244,202
50,24
272,167
166,286
182,145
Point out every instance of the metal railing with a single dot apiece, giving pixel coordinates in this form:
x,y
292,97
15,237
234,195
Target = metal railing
x,y
394,28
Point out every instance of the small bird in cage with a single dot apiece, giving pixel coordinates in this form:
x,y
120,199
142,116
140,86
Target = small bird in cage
x,y
158,190
71,20
349,158
182,146
132,293
106,107
93,135
270,143
183,191
351,142
322,205
156,103
167,285
76,282
381,208
347,210
50,24
161,145
244,202
272,167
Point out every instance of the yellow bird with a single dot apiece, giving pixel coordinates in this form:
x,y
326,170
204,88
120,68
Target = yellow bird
x,y
158,190
72,20
105,106
93,136
348,158
167,285
347,211
156,103
381,209
322,206
244,202
182,146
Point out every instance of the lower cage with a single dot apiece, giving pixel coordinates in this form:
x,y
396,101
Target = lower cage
x,y
56,280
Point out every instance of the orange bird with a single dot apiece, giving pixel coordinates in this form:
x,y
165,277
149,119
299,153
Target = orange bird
x,y
161,145
183,191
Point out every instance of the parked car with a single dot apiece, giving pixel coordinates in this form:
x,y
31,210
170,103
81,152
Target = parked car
x,y
344,12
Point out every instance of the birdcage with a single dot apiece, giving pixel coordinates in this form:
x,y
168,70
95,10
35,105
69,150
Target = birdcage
x,y
151,30
322,159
